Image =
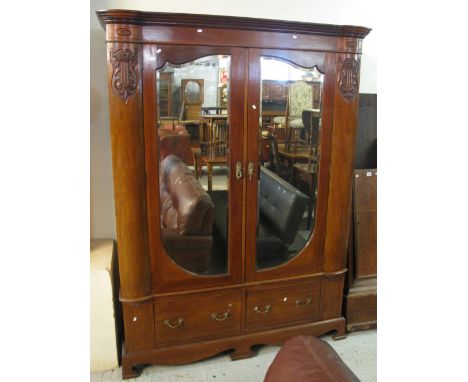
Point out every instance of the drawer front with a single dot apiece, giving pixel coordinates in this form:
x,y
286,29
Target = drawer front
x,y
183,318
278,305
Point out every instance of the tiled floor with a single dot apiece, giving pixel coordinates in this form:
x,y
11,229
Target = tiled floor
x,y
358,351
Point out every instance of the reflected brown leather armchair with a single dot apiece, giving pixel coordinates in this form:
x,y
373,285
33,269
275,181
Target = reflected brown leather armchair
x,y
175,141
186,216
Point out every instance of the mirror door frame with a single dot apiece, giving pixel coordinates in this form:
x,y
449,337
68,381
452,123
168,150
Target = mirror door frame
x,y
309,259
168,276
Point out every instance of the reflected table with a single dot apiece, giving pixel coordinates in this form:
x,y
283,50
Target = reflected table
x,y
200,160
302,155
216,109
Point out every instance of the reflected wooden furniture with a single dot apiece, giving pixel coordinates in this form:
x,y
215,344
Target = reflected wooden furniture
x,y
214,110
191,106
172,316
193,96
302,155
307,173
199,160
214,135
165,95
361,298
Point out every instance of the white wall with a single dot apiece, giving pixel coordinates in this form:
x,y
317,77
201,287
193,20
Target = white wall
x,y
356,12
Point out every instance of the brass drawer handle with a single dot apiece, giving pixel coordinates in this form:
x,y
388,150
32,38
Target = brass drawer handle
x,y
238,170
173,326
303,302
266,310
223,317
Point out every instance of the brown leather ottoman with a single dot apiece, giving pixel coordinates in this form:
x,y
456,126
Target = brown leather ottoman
x,y
308,359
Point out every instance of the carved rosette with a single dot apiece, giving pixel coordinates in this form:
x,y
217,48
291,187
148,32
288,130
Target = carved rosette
x,y
348,80
124,77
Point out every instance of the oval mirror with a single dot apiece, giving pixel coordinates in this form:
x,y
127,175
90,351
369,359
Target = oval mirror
x,y
193,140
290,124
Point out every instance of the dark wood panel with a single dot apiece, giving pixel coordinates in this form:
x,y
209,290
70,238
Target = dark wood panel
x,y
177,55
366,134
365,222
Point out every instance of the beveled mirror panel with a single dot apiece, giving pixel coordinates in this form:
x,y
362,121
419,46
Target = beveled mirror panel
x,y
193,145
289,141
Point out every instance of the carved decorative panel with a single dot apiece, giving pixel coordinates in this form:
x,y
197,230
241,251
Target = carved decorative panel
x,y
124,77
120,32
348,78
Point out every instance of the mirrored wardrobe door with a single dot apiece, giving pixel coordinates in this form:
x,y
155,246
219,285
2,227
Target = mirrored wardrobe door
x,y
286,135
199,143
193,148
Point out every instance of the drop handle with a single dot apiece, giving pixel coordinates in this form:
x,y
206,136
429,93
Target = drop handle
x,y
266,309
238,170
300,303
220,317
250,170
177,323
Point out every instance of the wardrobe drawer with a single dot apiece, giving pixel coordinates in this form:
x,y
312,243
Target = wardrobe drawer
x,y
197,316
279,304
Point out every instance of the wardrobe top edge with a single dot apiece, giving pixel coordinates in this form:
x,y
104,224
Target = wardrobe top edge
x,y
120,16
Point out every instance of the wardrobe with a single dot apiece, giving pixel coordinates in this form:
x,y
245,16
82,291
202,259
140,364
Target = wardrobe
x,y
227,252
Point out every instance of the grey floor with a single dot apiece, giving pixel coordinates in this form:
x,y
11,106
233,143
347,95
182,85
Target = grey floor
x,y
358,350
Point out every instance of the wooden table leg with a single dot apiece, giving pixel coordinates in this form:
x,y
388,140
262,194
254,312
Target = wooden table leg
x,y
210,176
195,164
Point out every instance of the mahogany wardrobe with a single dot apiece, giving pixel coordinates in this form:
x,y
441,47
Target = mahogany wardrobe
x,y
232,153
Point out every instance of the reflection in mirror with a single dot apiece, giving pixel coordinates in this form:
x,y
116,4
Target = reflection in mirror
x,y
290,125
192,91
193,131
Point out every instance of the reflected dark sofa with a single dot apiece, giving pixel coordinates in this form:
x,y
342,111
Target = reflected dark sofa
x,y
281,208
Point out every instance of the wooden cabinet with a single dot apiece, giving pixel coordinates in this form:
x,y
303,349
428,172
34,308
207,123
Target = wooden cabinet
x,y
165,95
228,266
360,306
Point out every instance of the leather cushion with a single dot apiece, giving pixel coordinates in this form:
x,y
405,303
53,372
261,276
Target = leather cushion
x,y
308,359
281,205
268,243
190,208
220,200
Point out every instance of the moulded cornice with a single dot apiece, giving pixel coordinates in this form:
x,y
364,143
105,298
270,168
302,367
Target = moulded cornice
x,y
119,16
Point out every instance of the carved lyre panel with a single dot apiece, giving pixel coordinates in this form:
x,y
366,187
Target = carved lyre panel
x,y
348,78
124,77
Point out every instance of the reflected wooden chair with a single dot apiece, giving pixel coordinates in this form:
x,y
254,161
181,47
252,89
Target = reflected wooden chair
x,y
299,99
275,163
